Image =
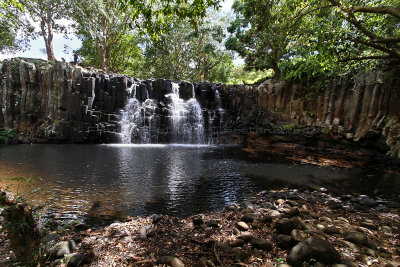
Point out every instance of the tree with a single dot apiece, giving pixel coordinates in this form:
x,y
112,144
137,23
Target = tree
x,y
106,22
11,24
48,13
190,53
312,36
126,55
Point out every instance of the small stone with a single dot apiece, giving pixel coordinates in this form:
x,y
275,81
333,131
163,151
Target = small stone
x,y
267,219
342,219
274,213
348,244
363,258
225,247
63,248
237,243
284,241
293,212
76,260
326,219
262,244
235,231
369,225
171,260
212,223
245,238
240,254
156,218
298,235
285,226
242,226
142,232
333,230
280,201
266,205
197,221
356,238
313,248
202,262
320,227
249,217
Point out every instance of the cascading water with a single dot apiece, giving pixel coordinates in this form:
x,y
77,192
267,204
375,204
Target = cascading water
x,y
151,121
186,118
138,123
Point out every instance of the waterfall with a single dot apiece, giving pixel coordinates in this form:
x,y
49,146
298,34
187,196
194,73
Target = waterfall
x,y
138,123
150,121
186,118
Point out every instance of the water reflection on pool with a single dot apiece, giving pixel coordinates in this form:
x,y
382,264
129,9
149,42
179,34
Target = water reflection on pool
x,y
171,179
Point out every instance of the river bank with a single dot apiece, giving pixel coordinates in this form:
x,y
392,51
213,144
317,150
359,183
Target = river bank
x,y
274,227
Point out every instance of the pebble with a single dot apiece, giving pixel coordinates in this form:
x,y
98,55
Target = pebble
x,y
242,226
298,235
76,260
249,217
333,230
274,213
261,244
171,260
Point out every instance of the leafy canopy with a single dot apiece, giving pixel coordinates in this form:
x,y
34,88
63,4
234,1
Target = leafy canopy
x,y
308,38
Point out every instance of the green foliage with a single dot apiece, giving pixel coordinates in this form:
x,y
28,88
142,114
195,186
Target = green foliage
x,y
111,29
279,261
14,28
290,127
325,130
240,75
305,39
190,53
49,14
7,135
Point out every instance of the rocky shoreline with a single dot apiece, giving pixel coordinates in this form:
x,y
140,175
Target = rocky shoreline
x,y
275,228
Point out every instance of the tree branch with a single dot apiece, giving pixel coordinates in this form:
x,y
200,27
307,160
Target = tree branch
x,y
390,10
378,47
365,58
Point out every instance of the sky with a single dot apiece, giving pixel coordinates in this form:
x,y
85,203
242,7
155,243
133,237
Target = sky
x,y
37,47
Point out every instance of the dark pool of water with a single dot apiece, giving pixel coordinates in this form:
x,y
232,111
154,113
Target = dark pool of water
x,y
170,179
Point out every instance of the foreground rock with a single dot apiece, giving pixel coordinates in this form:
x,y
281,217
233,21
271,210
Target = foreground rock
x,y
313,248
224,239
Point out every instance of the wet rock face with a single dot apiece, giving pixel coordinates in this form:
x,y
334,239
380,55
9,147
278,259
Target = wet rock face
x,y
58,102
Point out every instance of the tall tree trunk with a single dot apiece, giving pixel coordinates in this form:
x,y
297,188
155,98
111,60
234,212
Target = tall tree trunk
x,y
276,70
47,33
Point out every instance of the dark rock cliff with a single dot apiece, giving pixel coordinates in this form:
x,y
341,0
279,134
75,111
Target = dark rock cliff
x,y
57,102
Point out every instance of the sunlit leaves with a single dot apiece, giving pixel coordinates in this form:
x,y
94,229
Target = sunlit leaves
x,y
314,37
